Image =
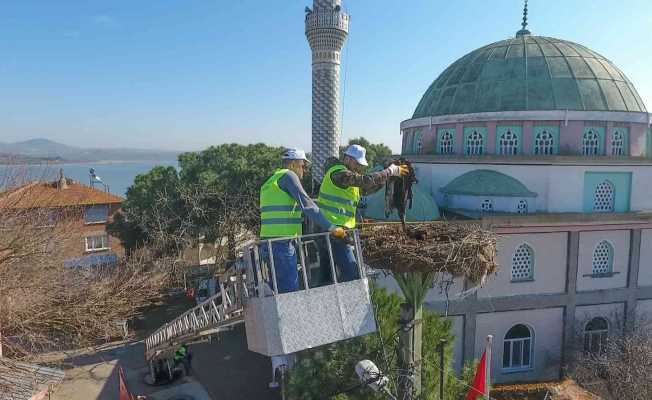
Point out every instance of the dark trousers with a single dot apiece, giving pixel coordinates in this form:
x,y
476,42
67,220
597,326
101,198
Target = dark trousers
x,y
285,264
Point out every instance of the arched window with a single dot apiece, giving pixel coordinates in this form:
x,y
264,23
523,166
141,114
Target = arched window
x,y
508,143
475,144
618,143
446,143
591,143
415,143
603,197
522,207
487,205
596,333
603,258
544,143
522,263
418,143
517,348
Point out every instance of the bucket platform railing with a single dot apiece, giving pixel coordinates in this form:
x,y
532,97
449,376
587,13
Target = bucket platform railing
x,y
323,307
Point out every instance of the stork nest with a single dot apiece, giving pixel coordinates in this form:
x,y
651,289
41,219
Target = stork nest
x,y
459,249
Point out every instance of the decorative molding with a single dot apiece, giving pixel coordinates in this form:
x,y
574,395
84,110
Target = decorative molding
x,y
552,115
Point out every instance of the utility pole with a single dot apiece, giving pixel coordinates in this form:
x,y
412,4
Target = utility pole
x,y
410,348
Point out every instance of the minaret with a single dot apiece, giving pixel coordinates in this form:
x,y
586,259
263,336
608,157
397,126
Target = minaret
x,y
327,27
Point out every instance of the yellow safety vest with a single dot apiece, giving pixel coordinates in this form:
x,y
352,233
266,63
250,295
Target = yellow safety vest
x,y
338,205
280,214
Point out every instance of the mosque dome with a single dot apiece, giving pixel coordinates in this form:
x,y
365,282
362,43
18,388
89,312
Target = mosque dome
x,y
530,73
483,182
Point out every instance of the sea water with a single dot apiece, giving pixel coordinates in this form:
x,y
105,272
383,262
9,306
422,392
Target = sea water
x,y
117,176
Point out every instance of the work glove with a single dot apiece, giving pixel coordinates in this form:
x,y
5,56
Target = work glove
x,y
338,232
399,170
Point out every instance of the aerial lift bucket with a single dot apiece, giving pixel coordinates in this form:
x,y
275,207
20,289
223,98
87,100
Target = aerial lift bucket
x,y
320,312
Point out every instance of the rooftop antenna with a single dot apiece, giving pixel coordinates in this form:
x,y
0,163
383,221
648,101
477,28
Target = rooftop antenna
x,y
524,31
94,178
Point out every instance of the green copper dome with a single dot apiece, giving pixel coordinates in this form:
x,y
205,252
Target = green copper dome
x,y
423,208
484,182
530,73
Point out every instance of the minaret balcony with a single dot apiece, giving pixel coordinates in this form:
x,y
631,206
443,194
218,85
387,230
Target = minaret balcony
x,y
327,19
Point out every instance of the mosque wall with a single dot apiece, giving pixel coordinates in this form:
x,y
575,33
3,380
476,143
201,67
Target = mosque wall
x,y
644,311
559,188
546,327
590,260
500,203
432,177
637,140
548,264
570,136
645,266
614,313
458,344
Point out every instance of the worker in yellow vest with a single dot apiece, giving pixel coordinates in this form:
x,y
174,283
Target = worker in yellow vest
x,y
283,203
339,196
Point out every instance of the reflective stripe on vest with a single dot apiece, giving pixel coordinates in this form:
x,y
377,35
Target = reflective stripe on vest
x,y
338,205
280,214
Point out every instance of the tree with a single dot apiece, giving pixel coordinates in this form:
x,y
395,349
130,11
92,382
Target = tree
x,y
214,195
377,153
230,176
328,373
621,365
46,306
153,212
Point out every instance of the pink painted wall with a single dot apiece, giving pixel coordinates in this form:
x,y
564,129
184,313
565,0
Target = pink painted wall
x,y
429,140
491,137
570,137
637,140
607,137
527,137
459,139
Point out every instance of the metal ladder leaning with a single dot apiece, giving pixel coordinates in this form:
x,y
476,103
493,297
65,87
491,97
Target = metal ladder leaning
x,y
217,313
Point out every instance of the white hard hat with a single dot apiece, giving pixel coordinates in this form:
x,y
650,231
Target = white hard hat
x,y
358,153
294,154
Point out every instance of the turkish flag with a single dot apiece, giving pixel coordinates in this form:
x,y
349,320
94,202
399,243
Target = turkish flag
x,y
480,381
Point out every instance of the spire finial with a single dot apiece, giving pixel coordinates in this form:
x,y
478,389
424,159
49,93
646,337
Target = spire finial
x,y
523,30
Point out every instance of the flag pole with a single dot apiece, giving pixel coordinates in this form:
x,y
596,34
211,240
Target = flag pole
x,y
490,340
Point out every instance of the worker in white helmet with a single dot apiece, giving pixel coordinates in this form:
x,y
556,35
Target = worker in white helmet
x,y
339,196
283,204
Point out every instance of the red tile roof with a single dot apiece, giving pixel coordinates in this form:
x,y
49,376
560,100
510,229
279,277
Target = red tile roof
x,y
48,194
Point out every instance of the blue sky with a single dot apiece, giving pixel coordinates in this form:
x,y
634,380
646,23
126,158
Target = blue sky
x,y
187,74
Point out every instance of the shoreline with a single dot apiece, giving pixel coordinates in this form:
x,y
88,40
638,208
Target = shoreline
x,y
58,163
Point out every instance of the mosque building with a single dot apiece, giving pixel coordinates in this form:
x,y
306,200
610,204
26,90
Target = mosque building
x,y
548,143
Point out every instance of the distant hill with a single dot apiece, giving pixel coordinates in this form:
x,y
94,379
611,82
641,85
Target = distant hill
x,y
36,150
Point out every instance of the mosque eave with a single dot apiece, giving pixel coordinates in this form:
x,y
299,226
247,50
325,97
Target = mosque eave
x,y
545,115
566,160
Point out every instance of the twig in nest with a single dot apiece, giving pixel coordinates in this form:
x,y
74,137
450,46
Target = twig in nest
x,y
458,249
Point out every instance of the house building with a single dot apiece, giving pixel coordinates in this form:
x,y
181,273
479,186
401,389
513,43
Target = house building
x,y
81,212
22,381
548,143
